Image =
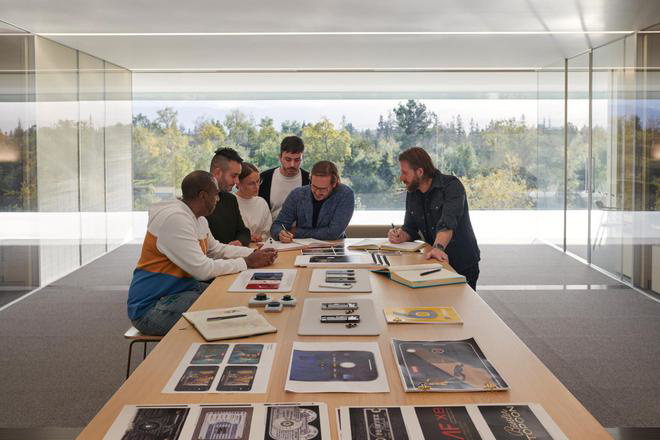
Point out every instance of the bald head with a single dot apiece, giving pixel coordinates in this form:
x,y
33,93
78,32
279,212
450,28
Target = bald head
x,y
197,181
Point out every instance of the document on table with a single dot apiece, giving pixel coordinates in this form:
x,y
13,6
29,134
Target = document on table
x,y
336,367
509,421
241,421
223,368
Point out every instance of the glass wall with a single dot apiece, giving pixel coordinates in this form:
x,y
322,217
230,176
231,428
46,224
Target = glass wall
x,y
550,150
480,126
55,134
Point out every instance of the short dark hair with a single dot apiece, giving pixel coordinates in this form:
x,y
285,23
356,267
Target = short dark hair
x,y
247,169
418,158
195,182
325,168
223,156
292,144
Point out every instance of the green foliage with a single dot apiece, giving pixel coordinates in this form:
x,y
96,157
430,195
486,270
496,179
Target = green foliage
x,y
497,163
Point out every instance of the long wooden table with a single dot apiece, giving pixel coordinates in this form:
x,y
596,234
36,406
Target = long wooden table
x,y
528,378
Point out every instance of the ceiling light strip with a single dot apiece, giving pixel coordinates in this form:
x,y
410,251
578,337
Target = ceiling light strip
x,y
302,34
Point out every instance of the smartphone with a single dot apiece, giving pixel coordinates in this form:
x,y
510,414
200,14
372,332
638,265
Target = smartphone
x,y
340,272
210,354
246,354
262,286
340,306
341,319
337,285
267,276
237,378
330,259
197,378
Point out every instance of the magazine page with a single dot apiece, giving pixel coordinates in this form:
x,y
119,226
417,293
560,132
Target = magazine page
x,y
422,315
445,366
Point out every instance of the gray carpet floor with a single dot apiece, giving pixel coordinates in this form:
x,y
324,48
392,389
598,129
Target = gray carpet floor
x,y
62,353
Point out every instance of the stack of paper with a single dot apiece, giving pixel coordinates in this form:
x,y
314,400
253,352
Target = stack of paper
x,y
235,322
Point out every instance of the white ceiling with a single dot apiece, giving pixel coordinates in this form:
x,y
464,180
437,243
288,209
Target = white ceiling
x,y
312,51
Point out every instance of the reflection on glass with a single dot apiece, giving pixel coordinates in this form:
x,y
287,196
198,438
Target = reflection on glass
x,y
577,177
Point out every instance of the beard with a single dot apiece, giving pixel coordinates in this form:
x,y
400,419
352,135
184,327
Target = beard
x,y
413,185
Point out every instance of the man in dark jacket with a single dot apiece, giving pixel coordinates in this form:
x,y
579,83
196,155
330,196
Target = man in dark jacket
x,y
277,183
437,207
225,222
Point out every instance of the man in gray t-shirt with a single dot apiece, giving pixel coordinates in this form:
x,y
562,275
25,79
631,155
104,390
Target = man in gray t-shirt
x,y
277,183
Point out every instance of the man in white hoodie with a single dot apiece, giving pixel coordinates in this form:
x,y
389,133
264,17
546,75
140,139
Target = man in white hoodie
x,y
178,252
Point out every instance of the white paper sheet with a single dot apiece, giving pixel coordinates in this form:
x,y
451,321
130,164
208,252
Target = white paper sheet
x,y
336,367
246,277
232,369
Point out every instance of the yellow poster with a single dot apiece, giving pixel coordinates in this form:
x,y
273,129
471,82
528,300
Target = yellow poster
x,y
422,315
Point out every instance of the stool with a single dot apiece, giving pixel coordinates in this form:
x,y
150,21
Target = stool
x,y
134,336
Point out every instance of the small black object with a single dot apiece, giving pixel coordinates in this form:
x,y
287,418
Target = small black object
x,y
274,303
351,325
261,296
286,298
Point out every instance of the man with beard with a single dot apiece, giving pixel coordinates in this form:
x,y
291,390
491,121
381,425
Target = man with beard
x,y
225,221
277,183
437,207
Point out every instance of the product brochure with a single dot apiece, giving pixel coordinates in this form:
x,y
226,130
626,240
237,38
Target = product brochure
x,y
467,422
270,421
223,368
445,366
336,367
422,315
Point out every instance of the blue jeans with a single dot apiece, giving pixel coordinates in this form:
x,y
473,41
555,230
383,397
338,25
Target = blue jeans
x,y
159,319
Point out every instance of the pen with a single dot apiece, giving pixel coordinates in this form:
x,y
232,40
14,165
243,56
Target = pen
x,y
428,272
219,318
284,227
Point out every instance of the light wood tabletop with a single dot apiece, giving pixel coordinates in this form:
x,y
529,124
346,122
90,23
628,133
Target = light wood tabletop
x,y
529,380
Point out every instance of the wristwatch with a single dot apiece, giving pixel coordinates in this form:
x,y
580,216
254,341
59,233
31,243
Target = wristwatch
x,y
439,246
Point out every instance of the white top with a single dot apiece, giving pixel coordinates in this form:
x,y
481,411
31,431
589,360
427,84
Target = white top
x,y
186,241
280,189
256,215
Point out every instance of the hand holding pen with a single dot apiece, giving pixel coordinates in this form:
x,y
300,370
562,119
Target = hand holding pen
x,y
396,235
285,236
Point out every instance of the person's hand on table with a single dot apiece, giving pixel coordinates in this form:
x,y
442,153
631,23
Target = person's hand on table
x,y
439,255
235,243
285,236
397,235
261,258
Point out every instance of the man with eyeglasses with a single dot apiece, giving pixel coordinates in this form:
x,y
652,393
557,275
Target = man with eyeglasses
x,y
179,254
320,210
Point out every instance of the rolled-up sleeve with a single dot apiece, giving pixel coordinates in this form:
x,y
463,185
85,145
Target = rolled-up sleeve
x,y
453,206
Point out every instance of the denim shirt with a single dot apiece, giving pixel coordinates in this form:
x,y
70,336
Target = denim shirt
x,y
444,206
336,212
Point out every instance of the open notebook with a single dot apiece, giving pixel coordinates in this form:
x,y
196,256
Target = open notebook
x,y
234,322
296,244
385,245
412,275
